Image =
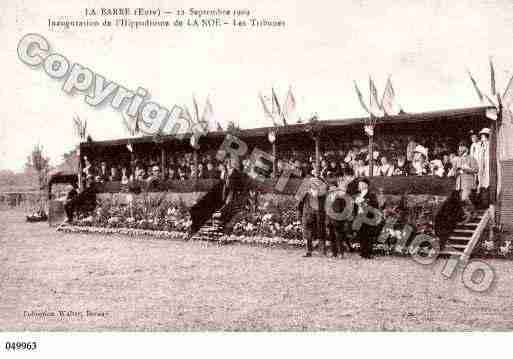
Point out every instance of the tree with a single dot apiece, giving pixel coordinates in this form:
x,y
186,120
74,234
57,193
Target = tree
x,y
38,162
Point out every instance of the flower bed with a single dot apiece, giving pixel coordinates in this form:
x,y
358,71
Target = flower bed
x,y
275,216
142,212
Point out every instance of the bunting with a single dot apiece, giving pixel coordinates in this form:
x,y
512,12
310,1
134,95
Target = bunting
x,y
374,104
389,102
360,98
289,107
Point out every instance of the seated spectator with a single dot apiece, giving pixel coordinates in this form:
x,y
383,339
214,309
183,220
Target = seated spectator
x,y
386,168
153,179
171,173
402,167
446,162
182,174
211,172
88,169
437,168
200,172
361,169
114,175
410,148
333,170
420,166
124,175
103,175
139,174
324,169
193,171
453,158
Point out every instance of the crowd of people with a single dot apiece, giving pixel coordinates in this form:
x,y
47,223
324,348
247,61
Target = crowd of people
x,y
469,164
392,156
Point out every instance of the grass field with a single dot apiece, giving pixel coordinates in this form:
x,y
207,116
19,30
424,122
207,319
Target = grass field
x,y
148,284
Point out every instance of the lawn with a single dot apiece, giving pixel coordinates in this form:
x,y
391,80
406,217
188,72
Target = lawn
x,y
148,284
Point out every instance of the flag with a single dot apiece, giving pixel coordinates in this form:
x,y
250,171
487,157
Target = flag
x,y
374,105
196,109
131,123
289,107
360,98
79,127
186,115
492,78
208,115
219,127
276,110
507,97
388,102
267,113
474,83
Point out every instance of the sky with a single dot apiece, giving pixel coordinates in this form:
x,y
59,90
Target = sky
x,y
425,46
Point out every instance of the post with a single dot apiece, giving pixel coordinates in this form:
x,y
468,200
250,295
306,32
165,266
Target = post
x,y
274,160
317,154
163,162
80,166
371,155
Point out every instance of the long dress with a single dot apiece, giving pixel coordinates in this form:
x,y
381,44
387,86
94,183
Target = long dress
x,y
483,174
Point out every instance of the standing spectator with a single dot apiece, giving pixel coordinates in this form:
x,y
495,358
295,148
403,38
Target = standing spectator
x,y
483,174
311,210
367,232
70,202
474,147
466,168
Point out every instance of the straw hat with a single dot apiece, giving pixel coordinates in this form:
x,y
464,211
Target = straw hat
x,y
422,150
485,131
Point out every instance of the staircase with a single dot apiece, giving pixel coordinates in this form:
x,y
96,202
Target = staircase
x,y
464,237
211,230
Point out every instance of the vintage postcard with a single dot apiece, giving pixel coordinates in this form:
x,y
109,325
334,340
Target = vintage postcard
x,y
255,166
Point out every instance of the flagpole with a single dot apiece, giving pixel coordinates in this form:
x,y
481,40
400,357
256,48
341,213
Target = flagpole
x,y
371,153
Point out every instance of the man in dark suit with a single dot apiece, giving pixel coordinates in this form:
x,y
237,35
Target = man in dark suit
x,y
311,212
339,212
368,215
70,203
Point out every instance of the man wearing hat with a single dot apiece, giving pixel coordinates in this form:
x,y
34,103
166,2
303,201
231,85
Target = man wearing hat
x,y
311,212
364,201
465,168
154,179
483,165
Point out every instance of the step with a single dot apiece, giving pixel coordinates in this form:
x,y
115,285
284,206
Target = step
x,y
456,238
457,245
467,226
447,252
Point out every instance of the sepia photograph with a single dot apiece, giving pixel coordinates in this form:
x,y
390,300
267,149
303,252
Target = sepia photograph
x,y
260,167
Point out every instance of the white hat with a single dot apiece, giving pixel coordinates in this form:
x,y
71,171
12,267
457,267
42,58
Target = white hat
x,y
155,168
485,131
422,150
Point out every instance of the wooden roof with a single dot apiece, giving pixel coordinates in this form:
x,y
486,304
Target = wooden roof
x,y
449,115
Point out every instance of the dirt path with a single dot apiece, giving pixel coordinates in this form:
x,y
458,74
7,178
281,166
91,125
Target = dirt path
x,y
147,284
